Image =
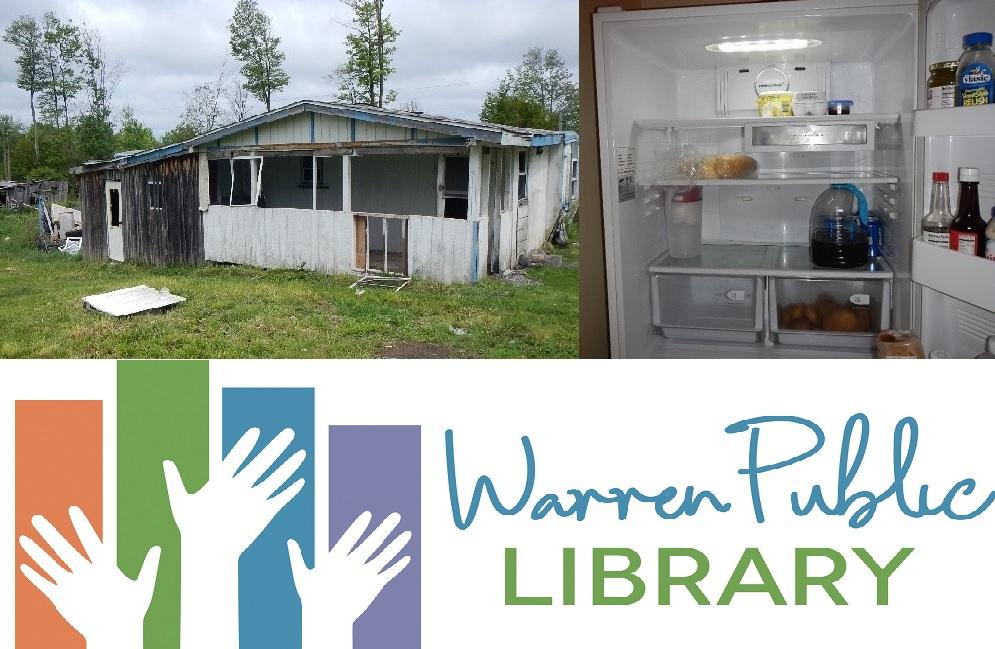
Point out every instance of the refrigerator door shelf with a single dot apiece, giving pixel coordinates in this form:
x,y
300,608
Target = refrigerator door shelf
x,y
964,277
967,121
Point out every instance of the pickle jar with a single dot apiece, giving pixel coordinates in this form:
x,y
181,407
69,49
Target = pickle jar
x,y
942,85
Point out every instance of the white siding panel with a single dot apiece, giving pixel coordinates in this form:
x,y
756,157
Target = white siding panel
x,y
278,238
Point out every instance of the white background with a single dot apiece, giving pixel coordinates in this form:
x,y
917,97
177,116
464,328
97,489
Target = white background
x,y
647,425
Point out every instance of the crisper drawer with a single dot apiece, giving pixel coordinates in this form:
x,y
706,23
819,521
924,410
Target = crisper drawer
x,y
829,312
709,307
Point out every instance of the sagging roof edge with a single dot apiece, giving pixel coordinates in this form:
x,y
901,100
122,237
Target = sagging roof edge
x,y
480,131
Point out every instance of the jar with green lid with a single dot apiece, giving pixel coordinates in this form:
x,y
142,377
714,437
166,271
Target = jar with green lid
x,y
942,84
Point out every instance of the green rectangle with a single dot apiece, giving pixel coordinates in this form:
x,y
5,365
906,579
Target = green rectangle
x,y
162,413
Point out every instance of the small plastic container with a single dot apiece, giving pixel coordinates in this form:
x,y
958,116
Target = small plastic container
x,y
840,106
809,103
684,223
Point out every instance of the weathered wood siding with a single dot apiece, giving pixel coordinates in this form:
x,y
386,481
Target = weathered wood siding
x,y
296,129
173,234
318,240
439,249
93,203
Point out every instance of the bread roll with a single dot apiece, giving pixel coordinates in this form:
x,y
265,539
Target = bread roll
x,y
727,165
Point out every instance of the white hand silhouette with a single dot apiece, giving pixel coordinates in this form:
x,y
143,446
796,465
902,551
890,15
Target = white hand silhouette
x,y
93,595
217,524
345,581
229,512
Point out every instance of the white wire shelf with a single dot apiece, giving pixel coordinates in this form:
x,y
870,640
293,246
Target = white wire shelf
x,y
791,178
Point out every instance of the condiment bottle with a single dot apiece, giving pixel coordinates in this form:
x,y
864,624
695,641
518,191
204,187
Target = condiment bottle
x,y
975,84
990,236
967,231
936,224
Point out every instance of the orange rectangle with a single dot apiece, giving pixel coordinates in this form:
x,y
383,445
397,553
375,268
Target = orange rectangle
x,y
58,463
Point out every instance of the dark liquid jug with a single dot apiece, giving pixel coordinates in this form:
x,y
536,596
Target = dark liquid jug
x,y
838,236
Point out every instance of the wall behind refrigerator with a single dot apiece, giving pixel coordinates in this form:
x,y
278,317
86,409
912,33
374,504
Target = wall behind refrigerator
x,y
593,290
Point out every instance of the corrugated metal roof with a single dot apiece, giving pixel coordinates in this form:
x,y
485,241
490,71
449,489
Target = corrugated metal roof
x,y
470,129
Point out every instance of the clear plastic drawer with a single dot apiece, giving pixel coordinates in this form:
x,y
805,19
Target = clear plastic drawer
x,y
844,313
709,307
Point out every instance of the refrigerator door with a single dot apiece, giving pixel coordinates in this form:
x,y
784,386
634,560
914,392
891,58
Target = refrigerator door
x,y
954,295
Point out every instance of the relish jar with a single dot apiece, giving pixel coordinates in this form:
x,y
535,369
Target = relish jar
x,y
942,85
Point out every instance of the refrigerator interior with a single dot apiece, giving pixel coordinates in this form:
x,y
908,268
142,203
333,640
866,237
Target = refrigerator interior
x,y
660,90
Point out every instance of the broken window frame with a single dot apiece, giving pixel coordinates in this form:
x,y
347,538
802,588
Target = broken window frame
x,y
523,177
255,180
574,176
154,188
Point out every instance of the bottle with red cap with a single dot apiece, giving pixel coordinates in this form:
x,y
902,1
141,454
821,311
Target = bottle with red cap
x,y
967,231
936,224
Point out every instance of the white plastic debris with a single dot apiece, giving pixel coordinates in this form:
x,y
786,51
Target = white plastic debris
x,y
129,301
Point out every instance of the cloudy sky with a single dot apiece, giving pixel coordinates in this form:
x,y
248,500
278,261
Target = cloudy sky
x,y
450,52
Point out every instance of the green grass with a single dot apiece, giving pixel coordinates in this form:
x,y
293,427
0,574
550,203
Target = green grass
x,y
243,312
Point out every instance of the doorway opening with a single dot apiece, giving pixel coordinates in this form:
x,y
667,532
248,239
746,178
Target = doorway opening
x,y
382,244
115,208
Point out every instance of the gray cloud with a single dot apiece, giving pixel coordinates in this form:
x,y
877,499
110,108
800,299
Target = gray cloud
x,y
450,53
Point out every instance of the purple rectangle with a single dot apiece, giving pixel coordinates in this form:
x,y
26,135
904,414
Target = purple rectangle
x,y
378,469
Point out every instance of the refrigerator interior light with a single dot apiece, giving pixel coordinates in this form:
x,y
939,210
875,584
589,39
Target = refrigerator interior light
x,y
763,45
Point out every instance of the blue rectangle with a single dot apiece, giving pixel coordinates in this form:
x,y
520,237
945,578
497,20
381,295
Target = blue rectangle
x,y
269,608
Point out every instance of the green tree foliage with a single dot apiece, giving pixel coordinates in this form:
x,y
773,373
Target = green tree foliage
x,y
370,48
255,46
10,132
26,36
95,137
505,107
58,154
541,78
180,133
132,134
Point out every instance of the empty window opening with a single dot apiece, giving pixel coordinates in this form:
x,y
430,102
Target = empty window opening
x,y
456,188
246,186
155,195
523,176
115,208
307,173
382,244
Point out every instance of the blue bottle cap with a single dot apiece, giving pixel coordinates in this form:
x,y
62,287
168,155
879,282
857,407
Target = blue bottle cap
x,y
983,39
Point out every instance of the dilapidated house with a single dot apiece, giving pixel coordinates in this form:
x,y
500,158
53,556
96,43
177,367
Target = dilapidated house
x,y
335,188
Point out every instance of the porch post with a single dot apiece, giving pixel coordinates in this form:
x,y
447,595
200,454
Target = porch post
x,y
347,183
476,184
314,182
